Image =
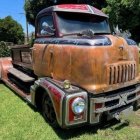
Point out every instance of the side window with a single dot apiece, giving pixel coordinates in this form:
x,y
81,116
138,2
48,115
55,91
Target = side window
x,y
46,26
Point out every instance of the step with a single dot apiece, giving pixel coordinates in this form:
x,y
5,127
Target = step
x,y
20,75
15,88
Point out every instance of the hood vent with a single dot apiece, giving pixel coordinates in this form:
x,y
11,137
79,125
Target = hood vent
x,y
121,72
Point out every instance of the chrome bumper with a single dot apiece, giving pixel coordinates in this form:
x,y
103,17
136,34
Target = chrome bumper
x,y
112,103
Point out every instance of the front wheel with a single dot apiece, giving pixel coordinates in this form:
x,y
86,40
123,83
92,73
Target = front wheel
x,y
48,111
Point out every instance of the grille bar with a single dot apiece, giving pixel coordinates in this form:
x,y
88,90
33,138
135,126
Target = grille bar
x,y
122,72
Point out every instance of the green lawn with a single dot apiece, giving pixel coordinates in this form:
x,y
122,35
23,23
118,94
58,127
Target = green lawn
x,y
18,121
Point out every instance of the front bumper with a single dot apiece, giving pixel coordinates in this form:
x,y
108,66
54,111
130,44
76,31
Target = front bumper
x,y
113,103
110,105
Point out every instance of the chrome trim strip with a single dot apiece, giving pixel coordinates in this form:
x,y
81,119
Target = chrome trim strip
x,y
94,118
32,91
85,42
90,9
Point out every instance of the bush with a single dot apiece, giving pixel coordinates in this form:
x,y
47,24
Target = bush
x,y
4,50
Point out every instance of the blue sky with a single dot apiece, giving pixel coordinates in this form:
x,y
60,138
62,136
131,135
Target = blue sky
x,y
15,9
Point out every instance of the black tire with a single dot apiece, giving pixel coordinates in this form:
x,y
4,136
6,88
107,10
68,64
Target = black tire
x,y
48,111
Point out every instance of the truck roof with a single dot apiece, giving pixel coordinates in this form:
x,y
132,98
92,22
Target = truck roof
x,y
73,8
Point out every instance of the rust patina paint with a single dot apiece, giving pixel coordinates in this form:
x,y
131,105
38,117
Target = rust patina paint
x,y
5,64
85,66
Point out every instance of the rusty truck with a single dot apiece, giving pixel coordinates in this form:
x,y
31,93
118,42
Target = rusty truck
x,y
77,72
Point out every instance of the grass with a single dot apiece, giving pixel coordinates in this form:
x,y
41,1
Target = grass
x,y
18,121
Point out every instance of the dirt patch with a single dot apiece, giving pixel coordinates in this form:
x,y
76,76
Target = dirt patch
x,y
138,113
135,126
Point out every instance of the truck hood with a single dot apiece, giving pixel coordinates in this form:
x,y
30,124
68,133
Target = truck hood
x,y
96,67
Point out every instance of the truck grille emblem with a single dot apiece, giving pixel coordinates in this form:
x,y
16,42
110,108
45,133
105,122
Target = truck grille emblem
x,y
122,53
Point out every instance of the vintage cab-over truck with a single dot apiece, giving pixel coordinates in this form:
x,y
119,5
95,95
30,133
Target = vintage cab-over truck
x,y
77,72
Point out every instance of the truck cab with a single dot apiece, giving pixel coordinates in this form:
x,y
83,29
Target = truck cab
x,y
77,72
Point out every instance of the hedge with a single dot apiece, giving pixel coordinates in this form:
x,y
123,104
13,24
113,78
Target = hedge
x,y
4,50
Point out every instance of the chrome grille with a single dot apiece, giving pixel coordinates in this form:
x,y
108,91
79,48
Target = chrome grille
x,y
121,72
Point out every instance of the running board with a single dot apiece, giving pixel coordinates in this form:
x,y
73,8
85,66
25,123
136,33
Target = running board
x,y
20,75
25,96
15,89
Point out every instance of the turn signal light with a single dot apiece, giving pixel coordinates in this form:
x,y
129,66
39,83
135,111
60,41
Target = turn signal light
x,y
98,105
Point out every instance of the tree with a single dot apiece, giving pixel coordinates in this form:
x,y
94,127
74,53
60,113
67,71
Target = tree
x,y
32,7
4,50
11,31
125,14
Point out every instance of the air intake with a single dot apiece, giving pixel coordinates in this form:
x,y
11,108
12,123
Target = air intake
x,y
121,72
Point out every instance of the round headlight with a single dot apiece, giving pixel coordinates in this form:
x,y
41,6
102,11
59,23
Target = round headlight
x,y
78,105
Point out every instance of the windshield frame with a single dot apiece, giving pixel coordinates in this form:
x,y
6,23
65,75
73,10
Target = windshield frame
x,y
80,14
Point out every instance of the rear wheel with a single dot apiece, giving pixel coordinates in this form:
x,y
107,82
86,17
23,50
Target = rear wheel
x,y
48,111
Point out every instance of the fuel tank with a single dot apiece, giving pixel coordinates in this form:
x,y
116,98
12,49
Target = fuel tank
x,y
90,64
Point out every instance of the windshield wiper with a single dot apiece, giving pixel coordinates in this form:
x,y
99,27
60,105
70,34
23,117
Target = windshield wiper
x,y
88,33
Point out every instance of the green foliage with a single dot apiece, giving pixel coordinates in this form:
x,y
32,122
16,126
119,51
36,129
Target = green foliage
x,y
126,14
11,31
4,50
33,7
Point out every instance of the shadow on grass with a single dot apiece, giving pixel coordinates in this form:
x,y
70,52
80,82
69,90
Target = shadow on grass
x,y
121,125
88,129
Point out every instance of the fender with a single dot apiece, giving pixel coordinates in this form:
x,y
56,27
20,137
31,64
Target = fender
x,y
5,64
56,95
62,100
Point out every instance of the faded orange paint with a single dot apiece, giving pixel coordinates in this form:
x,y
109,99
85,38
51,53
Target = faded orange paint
x,y
5,64
87,66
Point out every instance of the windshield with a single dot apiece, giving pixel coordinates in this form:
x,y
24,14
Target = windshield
x,y
72,23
